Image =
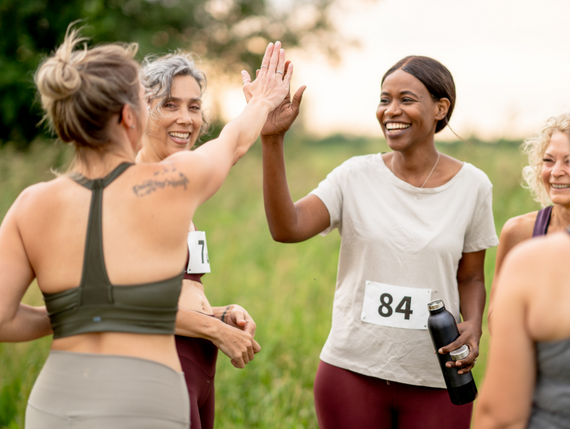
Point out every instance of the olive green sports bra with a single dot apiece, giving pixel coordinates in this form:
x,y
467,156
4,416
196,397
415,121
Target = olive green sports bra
x,y
97,305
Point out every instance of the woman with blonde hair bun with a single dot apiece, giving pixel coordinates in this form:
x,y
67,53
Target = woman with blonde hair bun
x,y
107,243
548,178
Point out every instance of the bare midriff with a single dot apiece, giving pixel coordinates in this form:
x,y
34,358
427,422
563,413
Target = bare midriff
x,y
157,348
193,297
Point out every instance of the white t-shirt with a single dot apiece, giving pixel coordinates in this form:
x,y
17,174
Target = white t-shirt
x,y
396,234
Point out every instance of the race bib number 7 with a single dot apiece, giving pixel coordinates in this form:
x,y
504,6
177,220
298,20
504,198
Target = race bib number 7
x,y
199,263
395,306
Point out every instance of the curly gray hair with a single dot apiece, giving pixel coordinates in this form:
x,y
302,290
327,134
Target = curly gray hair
x,y
158,72
534,147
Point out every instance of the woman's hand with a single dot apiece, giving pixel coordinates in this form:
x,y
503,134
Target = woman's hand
x,y
238,317
471,288
237,344
469,334
236,339
280,120
272,81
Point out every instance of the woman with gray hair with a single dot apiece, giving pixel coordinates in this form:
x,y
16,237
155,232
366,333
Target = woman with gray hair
x,y
174,94
548,178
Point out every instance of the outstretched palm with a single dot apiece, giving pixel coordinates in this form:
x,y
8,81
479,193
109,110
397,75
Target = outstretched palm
x,y
280,120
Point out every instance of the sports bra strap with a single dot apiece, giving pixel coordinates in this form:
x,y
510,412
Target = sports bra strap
x,y
102,182
95,285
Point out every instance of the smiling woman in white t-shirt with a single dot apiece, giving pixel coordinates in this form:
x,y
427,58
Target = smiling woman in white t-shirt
x,y
415,225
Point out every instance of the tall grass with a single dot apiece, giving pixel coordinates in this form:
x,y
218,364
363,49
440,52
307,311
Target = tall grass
x,y
288,289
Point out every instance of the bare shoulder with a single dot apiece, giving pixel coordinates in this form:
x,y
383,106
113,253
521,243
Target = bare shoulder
x,y
539,254
547,247
518,229
154,178
40,193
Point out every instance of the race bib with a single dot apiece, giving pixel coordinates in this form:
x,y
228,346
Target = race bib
x,y
395,306
198,263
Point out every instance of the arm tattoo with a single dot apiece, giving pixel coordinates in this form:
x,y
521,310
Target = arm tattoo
x,y
223,315
149,186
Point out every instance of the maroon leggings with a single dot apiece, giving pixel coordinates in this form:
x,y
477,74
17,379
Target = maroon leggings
x,y
347,400
198,359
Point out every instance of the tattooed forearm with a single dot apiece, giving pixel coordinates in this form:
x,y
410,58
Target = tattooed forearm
x,y
149,186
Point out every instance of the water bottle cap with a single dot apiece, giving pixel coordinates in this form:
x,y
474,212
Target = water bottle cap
x,y
461,353
436,304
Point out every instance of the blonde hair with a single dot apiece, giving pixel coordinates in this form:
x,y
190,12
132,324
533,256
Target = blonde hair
x,y
534,147
81,90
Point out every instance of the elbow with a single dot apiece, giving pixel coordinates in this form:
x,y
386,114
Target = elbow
x,y
488,417
239,153
279,237
282,235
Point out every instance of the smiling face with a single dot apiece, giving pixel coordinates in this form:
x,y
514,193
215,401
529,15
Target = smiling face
x,y
407,112
177,125
556,168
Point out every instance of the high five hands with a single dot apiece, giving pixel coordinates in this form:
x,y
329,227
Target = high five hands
x,y
274,70
272,82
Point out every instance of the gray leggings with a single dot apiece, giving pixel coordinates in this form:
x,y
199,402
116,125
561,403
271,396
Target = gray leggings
x,y
89,391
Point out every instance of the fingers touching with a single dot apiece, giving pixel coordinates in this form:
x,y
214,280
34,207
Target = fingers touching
x,y
266,62
273,64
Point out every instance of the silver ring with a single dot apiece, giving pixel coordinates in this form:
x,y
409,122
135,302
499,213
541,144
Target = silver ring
x,y
264,66
279,72
246,80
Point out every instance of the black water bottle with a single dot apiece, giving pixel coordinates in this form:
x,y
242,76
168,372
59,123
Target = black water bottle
x,y
443,331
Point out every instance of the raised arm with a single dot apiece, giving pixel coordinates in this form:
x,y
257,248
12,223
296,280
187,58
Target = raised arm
x,y
288,222
207,167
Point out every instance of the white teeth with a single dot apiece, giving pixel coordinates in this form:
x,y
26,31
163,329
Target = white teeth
x,y
559,186
182,136
396,126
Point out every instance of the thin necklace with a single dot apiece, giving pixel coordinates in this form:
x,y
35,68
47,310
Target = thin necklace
x,y
429,175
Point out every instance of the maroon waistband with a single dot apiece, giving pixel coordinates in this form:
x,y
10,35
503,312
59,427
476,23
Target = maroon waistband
x,y
200,351
193,277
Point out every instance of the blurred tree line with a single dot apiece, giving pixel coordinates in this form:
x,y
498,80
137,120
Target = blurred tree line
x,y
230,34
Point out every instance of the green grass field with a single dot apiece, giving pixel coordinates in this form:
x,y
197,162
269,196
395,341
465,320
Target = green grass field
x,y
288,289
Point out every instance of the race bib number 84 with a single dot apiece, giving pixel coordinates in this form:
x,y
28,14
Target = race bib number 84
x,y
395,306
199,262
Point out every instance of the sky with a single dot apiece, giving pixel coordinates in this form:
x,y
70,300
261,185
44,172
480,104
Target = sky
x,y
510,61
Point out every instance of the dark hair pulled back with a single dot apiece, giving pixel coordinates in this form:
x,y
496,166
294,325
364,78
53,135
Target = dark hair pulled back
x,y
435,77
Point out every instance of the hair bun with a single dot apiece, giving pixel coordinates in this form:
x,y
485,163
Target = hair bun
x,y
58,80
58,77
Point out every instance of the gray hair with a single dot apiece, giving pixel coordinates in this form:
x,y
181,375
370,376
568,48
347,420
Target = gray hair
x,y
158,72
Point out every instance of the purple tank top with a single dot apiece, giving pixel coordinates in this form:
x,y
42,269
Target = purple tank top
x,y
542,222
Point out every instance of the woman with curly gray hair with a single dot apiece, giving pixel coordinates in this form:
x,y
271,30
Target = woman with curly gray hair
x,y
548,178
174,95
